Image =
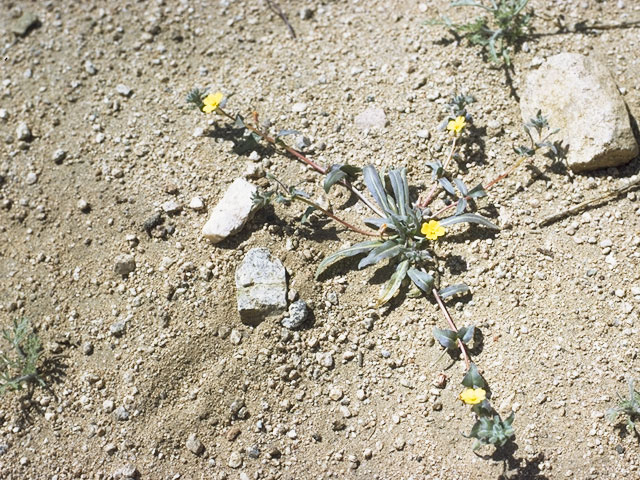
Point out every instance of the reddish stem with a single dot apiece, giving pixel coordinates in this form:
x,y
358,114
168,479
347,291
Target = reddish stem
x,y
447,316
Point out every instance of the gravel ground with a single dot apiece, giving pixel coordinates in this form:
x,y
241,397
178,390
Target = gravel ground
x,y
153,375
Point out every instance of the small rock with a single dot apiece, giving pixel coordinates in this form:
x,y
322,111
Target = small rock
x,y
87,348
372,117
128,472
58,156
125,264
194,445
110,449
253,171
298,312
423,134
253,452
261,284
118,328
335,393
232,212
301,142
121,414
306,13
235,460
23,132
399,443
4,115
196,204
233,433
90,68
299,107
171,207
235,337
325,359
32,178
123,90
107,406
83,206
25,23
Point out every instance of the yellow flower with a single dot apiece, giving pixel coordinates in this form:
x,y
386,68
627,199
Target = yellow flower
x,y
212,102
457,125
472,396
432,230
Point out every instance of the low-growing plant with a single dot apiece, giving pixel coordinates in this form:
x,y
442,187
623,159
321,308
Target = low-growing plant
x,y
629,408
505,26
406,234
20,357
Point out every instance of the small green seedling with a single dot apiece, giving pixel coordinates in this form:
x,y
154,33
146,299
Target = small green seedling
x,y
506,26
629,407
19,362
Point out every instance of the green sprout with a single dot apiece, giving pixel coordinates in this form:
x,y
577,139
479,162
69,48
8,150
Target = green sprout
x,y
506,27
629,407
492,430
21,367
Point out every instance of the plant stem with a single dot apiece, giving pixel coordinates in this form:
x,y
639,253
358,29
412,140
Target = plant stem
x,y
317,167
432,192
447,316
333,217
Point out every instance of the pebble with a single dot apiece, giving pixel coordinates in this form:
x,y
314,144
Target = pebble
x,y
306,13
253,451
123,90
372,117
194,445
335,393
235,337
90,68
233,433
4,114
235,459
124,265
121,414
196,204
87,348
83,206
32,178
325,359
299,107
25,23
298,312
23,132
127,472
110,449
58,156
118,328
232,212
399,443
171,207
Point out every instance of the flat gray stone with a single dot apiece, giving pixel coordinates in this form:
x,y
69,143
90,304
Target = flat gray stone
x,y
194,445
578,95
261,284
372,117
232,212
25,23
125,264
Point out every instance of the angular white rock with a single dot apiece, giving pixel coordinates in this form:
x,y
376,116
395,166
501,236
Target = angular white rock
x,y
578,95
232,212
372,117
261,283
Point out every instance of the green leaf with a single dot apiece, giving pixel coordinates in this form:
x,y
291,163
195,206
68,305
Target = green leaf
x,y
477,192
305,216
339,172
239,123
461,186
284,133
421,279
375,186
447,338
357,249
388,249
379,222
469,3
473,379
466,334
400,189
246,144
392,286
469,218
446,184
452,290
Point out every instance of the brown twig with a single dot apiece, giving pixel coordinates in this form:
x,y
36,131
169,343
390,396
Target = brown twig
x,y
275,8
447,316
609,196
299,156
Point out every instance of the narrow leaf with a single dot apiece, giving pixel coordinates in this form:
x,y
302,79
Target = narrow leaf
x,y
446,338
394,283
477,191
239,123
453,290
469,218
375,186
357,249
466,333
307,213
446,184
388,249
473,379
333,177
421,279
461,186
284,133
400,189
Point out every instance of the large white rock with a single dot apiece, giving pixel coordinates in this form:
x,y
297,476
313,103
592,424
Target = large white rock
x,y
232,212
578,95
261,283
372,117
